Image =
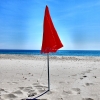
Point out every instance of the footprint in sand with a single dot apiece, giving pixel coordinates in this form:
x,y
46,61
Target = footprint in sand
x,y
26,89
21,88
29,90
41,88
74,91
31,93
87,99
77,90
10,96
2,90
18,92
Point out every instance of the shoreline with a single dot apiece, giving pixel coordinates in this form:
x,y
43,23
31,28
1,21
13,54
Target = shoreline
x,y
54,57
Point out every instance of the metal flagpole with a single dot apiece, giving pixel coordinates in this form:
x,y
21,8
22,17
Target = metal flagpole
x,y
48,80
48,72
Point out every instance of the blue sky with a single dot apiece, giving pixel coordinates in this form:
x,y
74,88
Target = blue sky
x,y
76,21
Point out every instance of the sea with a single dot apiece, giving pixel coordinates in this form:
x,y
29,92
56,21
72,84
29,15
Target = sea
x,y
58,53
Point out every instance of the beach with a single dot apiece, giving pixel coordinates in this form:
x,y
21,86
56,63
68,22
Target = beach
x,y
71,77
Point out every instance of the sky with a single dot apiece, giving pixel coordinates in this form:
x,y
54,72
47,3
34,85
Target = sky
x,y
77,23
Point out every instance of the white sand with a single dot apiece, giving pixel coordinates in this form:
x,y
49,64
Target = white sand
x,y
72,78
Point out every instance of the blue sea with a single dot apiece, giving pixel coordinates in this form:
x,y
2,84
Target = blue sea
x,y
58,53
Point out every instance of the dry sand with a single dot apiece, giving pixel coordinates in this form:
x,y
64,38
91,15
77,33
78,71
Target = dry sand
x,y
72,78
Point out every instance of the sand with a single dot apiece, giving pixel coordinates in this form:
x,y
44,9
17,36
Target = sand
x,y
71,78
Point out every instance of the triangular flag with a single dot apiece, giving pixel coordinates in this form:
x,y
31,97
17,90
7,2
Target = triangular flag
x,y
51,41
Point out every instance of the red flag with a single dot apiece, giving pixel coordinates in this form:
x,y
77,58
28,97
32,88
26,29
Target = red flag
x,y
51,41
